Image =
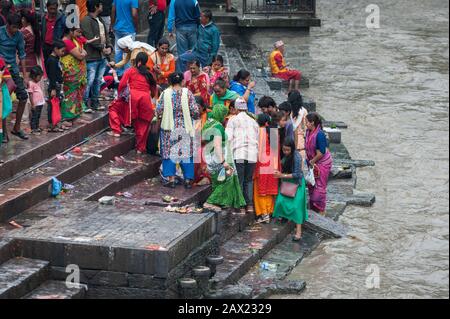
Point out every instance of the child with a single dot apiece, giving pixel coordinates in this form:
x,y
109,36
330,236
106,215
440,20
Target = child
x,y
55,78
36,98
216,71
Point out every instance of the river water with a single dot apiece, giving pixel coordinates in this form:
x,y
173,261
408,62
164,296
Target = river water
x,y
391,86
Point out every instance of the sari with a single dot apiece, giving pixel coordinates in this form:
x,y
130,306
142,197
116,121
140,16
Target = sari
x,y
318,193
265,184
5,99
74,84
199,86
226,193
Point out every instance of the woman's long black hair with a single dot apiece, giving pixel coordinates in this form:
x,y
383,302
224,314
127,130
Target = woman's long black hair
x,y
288,161
241,75
31,19
142,59
315,118
296,100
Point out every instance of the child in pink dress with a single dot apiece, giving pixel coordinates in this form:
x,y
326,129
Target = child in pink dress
x,y
37,98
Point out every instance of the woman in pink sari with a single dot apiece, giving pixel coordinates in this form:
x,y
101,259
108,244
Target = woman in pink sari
x,y
318,157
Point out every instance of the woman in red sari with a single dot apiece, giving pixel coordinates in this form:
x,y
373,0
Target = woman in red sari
x,y
319,157
197,81
139,110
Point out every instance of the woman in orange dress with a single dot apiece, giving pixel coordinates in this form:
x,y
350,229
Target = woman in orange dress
x,y
162,63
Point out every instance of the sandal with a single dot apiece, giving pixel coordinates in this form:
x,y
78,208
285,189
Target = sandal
x,y
20,134
296,239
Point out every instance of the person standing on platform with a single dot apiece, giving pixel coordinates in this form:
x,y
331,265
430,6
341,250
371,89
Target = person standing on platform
x,y
208,43
12,45
124,22
53,25
185,16
156,21
106,14
243,133
94,27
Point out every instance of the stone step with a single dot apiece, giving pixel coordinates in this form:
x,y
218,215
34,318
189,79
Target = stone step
x,y
6,249
245,249
53,289
30,189
19,276
21,155
228,28
151,193
325,226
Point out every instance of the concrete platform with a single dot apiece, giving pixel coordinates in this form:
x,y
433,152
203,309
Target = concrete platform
x,y
107,238
53,289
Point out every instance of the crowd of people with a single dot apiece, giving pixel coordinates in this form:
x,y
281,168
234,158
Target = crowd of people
x,y
208,126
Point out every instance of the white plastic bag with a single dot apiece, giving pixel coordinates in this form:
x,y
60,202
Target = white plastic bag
x,y
309,177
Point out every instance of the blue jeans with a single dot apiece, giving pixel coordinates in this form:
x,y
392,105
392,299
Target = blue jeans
x,y
186,38
95,72
185,58
118,52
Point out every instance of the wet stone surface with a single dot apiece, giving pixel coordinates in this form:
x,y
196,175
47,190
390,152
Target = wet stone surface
x,y
56,290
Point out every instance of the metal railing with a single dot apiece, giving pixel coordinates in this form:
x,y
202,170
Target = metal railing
x,y
280,7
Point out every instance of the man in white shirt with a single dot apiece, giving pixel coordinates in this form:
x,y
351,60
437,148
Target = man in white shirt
x,y
243,132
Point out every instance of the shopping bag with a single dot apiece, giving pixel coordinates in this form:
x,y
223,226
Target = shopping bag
x,y
7,102
56,110
309,177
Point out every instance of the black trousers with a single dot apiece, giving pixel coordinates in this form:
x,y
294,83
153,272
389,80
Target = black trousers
x,y
245,170
156,26
35,117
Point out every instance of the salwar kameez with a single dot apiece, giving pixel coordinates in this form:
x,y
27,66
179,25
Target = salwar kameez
x,y
265,184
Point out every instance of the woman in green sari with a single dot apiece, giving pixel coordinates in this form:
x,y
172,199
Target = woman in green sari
x,y
292,206
74,76
226,192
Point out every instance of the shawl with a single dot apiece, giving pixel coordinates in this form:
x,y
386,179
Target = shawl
x,y
167,123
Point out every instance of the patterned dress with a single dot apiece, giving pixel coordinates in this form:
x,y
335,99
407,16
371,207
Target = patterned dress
x,y
74,82
173,143
199,86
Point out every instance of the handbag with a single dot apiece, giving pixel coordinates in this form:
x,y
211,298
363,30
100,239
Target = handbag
x,y
288,189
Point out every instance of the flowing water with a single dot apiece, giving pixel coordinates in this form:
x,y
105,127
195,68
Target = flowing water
x,y
391,86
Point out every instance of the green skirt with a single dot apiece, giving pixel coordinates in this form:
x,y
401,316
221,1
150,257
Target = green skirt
x,y
293,209
227,194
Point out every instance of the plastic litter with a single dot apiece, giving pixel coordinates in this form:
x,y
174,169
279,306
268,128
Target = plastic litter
x,y
268,266
113,171
55,187
107,200
14,224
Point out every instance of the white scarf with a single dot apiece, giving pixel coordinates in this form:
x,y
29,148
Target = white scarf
x,y
168,123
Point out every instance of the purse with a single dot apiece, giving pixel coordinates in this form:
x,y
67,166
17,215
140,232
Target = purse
x,y
288,189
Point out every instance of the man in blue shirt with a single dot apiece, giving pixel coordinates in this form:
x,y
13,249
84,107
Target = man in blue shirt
x,y
208,43
185,14
12,44
124,21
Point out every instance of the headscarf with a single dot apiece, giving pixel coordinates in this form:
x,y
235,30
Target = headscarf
x,y
128,43
218,113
